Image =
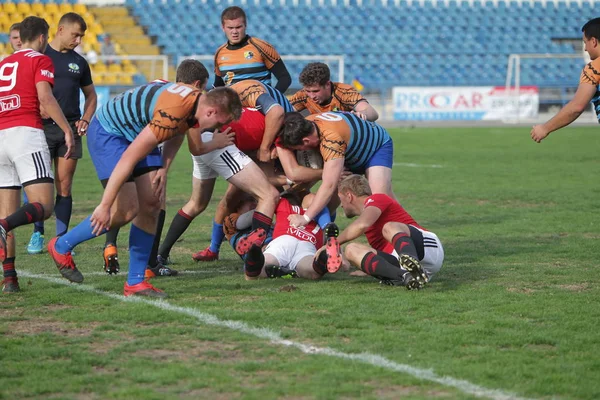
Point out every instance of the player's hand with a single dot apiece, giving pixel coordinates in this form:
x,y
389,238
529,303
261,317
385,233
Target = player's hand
x,y
82,126
345,173
159,184
297,221
264,155
100,219
274,155
223,139
539,132
360,115
70,143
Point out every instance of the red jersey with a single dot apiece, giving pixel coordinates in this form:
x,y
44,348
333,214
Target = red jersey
x,y
391,211
309,233
19,73
249,129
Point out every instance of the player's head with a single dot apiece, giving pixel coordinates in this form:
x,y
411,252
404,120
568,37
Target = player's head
x,y
15,36
218,107
192,72
591,37
34,33
71,29
352,191
233,23
298,133
315,79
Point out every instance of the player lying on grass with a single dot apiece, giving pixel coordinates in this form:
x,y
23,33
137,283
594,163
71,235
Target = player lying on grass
x,y
400,251
243,174
122,140
291,251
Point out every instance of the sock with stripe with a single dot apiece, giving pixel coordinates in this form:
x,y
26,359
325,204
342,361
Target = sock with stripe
x,y
152,262
216,237
111,236
79,234
375,265
403,244
38,227
260,220
179,225
140,246
30,212
8,267
63,208
254,262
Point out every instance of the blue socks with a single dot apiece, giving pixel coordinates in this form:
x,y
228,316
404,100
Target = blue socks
x,y
81,233
63,207
140,247
323,218
216,237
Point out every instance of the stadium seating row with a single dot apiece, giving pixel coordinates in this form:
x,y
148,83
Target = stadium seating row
x,y
383,41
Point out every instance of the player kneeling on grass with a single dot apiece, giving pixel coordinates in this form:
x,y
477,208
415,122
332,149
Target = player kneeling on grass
x,y
122,140
401,252
291,252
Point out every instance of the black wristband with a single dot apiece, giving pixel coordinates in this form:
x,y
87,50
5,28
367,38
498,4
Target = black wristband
x,y
84,120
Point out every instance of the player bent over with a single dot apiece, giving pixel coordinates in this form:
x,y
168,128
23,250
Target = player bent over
x,y
122,140
26,80
401,252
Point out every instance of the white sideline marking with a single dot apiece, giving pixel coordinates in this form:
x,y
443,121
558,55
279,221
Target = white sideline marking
x,y
181,272
275,337
413,165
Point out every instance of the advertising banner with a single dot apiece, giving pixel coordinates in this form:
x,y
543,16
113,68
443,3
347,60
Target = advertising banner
x,y
464,103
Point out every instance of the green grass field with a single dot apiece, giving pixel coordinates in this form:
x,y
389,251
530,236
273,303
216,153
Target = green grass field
x,y
514,312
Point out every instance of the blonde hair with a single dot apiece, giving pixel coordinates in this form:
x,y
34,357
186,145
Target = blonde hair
x,y
357,184
225,99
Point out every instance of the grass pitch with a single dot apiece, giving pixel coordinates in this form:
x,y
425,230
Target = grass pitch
x,y
514,311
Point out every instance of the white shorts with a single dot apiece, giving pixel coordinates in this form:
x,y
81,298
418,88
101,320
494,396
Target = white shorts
x,y
434,253
289,250
24,156
224,162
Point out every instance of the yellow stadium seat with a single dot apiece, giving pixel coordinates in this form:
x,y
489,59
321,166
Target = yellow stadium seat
x,y
9,7
97,78
52,8
114,68
16,17
80,8
38,8
100,68
110,79
24,8
4,20
129,69
65,8
125,79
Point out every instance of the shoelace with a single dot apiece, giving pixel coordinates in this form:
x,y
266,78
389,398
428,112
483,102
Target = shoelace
x,y
69,263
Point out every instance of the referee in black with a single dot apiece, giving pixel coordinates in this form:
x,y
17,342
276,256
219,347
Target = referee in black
x,y
71,74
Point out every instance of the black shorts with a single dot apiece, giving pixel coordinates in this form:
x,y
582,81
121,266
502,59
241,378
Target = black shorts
x,y
55,138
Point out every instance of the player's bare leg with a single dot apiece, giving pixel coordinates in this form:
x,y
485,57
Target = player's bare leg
x,y
380,180
305,269
253,181
8,205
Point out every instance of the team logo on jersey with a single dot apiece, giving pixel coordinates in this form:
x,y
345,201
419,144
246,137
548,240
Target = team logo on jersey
x,y
9,103
224,58
248,55
73,67
369,201
46,73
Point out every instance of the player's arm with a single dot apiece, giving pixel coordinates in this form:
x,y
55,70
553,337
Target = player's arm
x,y
136,151
170,149
369,216
89,108
50,106
273,123
284,79
293,171
569,113
219,140
363,108
331,175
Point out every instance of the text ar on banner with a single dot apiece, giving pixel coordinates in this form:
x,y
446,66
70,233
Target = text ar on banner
x,y
465,103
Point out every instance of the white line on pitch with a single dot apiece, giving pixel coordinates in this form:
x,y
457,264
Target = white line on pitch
x,y
412,165
275,337
180,272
